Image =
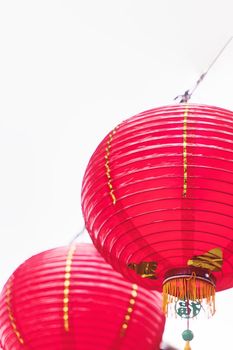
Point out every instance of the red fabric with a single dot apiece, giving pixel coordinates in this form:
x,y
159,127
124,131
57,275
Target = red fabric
x,y
151,220
98,302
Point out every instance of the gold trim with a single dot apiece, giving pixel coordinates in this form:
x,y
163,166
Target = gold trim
x,y
10,312
69,260
108,171
185,162
211,260
146,269
130,309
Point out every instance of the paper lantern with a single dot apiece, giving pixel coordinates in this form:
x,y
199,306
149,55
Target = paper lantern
x,y
69,298
157,200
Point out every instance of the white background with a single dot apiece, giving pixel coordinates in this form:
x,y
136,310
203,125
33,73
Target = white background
x,y
69,72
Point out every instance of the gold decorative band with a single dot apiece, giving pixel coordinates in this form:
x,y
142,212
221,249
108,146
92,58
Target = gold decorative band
x,y
69,260
146,269
211,260
185,162
108,171
10,312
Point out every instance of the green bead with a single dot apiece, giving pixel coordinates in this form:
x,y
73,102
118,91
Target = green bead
x,y
187,335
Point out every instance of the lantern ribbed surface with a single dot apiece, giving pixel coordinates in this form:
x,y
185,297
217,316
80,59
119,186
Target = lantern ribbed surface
x,y
69,298
159,189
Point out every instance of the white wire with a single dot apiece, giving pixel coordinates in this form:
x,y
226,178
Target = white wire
x,y
211,65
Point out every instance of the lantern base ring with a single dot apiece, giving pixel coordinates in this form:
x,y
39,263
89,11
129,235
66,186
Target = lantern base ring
x,y
190,272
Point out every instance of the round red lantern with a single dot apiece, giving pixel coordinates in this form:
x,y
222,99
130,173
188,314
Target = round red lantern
x,y
157,200
69,298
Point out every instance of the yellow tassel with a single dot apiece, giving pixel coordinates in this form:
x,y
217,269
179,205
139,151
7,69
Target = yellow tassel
x,y
187,346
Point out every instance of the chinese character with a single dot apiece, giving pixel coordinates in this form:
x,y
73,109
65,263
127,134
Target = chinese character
x,y
187,309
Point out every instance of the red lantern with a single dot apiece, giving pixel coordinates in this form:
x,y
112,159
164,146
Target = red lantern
x,y
69,298
157,200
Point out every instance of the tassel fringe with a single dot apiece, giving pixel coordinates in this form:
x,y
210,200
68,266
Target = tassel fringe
x,y
194,289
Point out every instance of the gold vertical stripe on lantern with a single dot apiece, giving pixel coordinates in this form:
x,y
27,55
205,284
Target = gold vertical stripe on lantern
x,y
10,312
67,287
108,171
185,162
130,309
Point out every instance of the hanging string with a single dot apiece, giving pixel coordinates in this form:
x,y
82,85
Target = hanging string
x,y
187,343
188,94
78,235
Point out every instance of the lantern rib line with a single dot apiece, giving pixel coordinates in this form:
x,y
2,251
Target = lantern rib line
x,y
167,155
159,211
159,221
153,201
148,256
171,258
201,146
174,121
208,148
226,260
166,177
10,312
160,120
172,231
173,126
165,259
166,145
214,128
156,252
69,260
126,232
199,132
144,146
211,168
148,190
165,188
138,124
